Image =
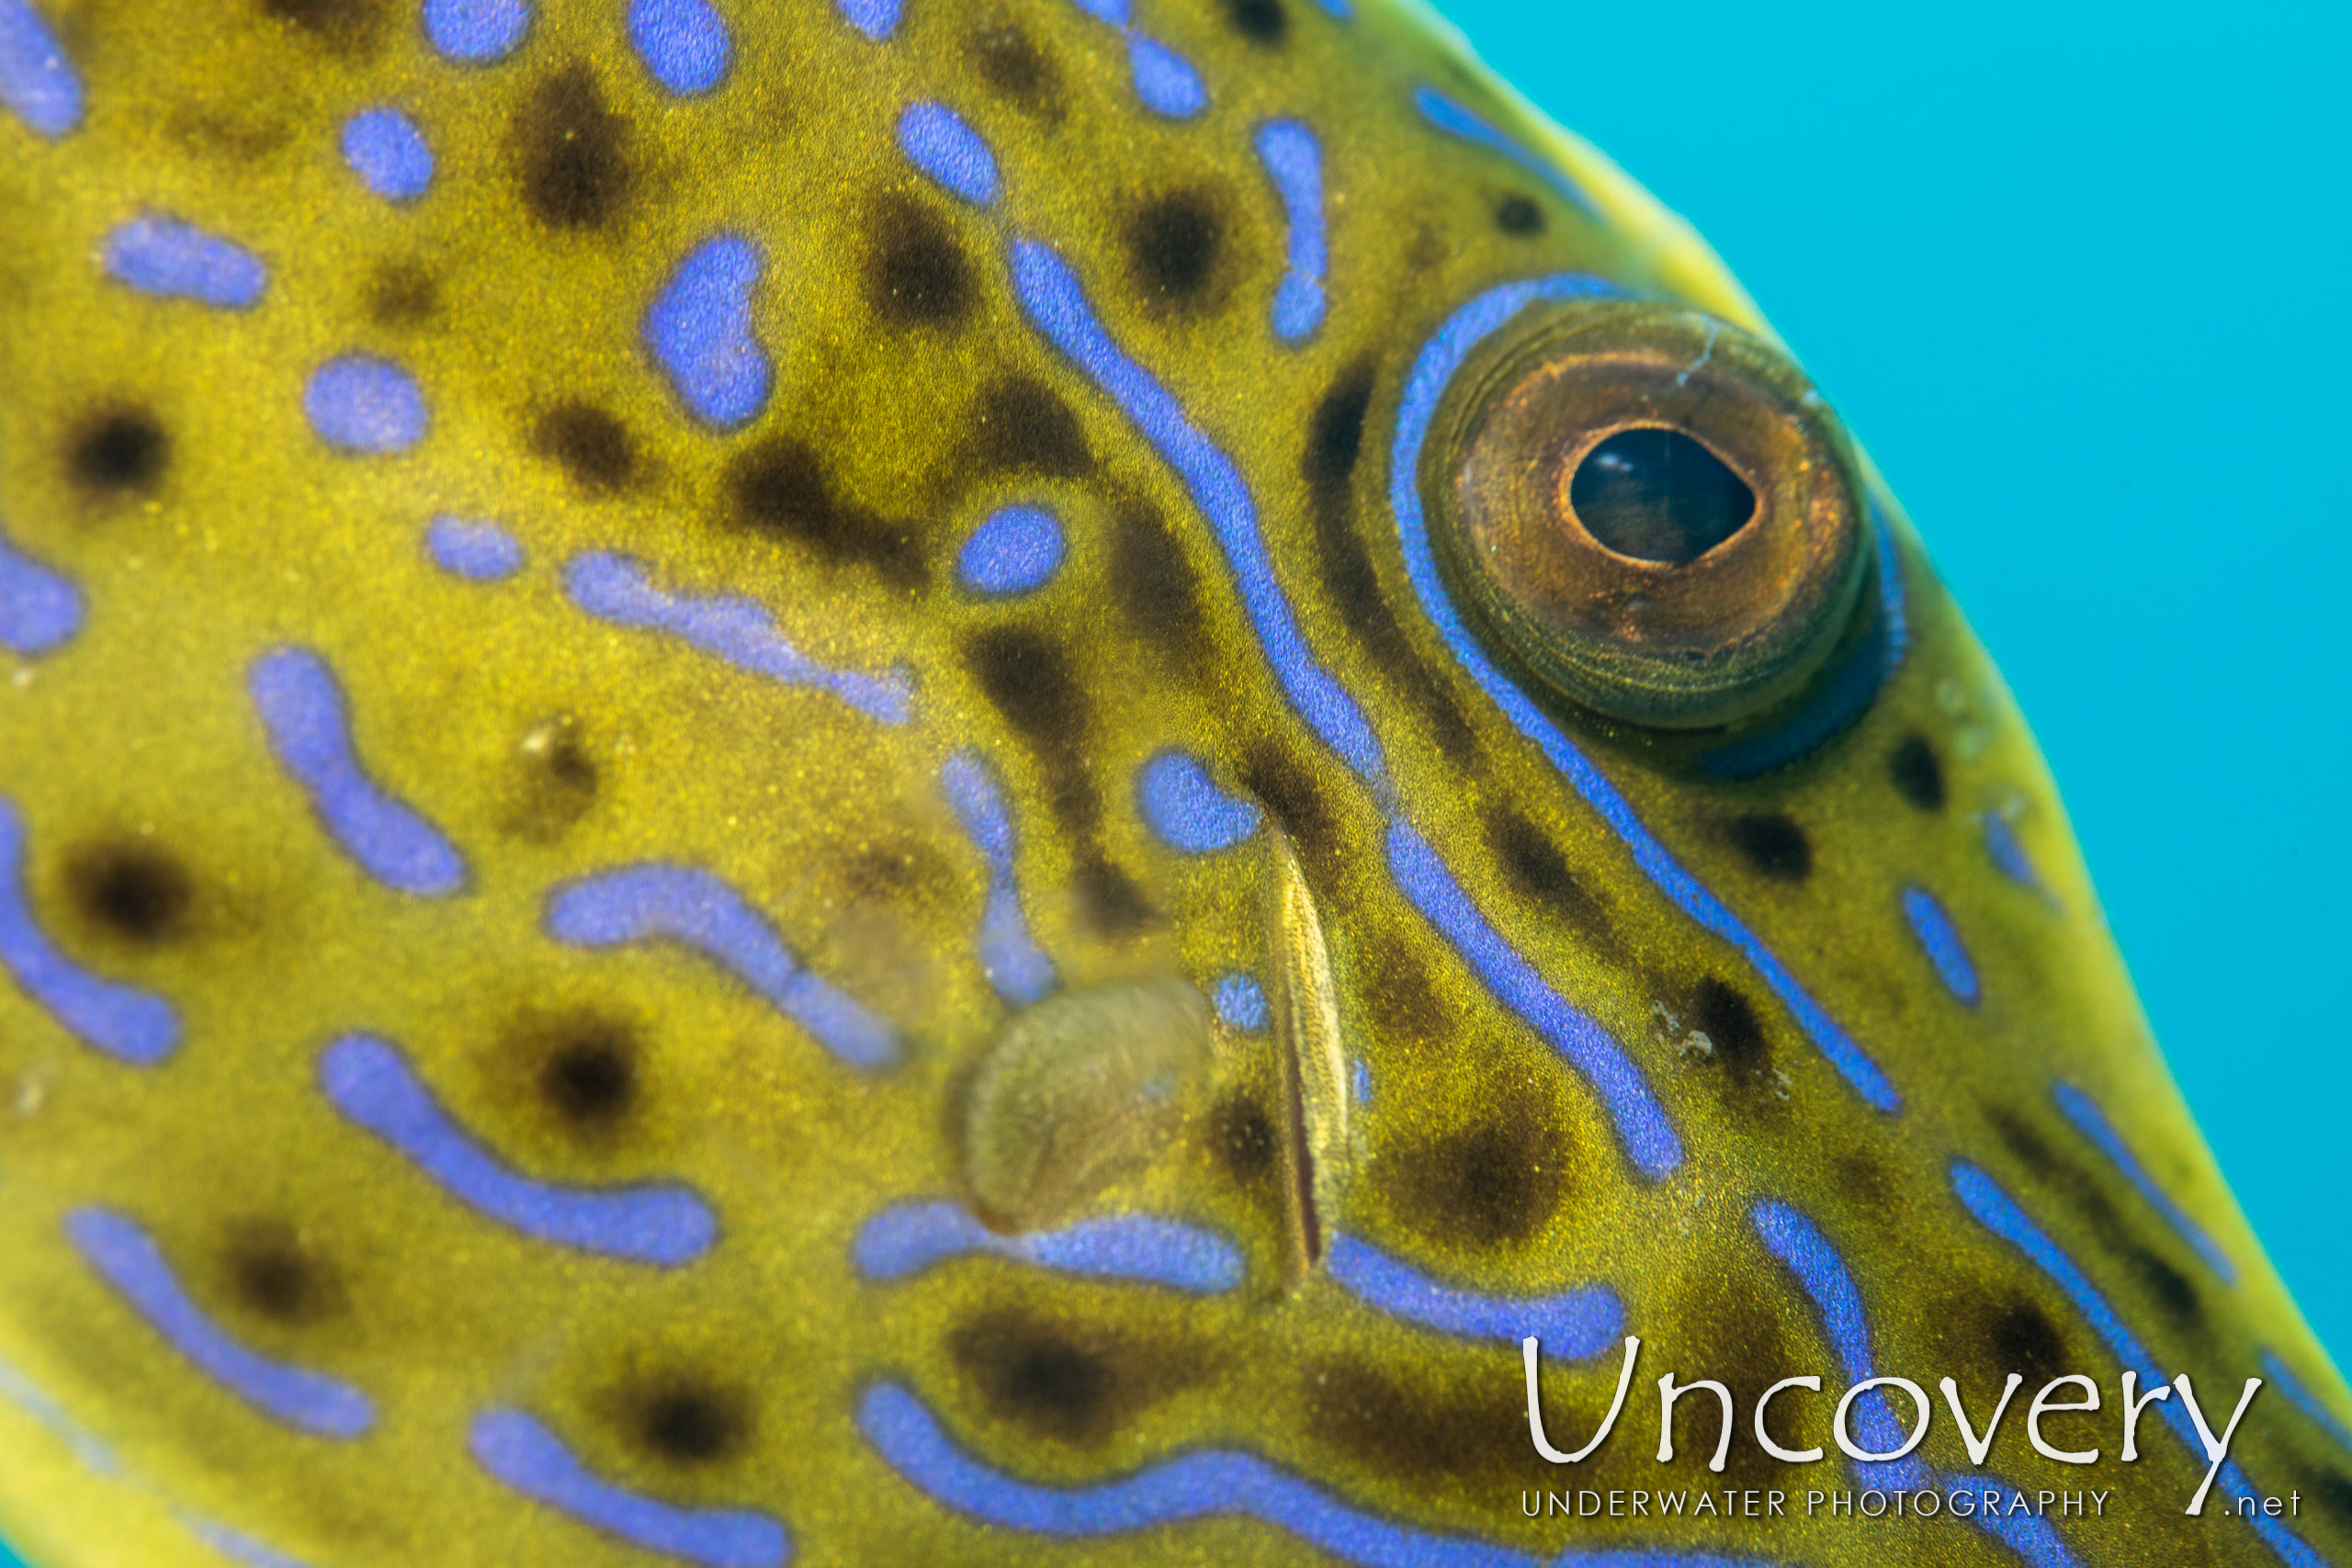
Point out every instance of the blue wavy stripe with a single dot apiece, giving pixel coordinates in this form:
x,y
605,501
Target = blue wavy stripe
x,y
652,902
907,1238
2303,1399
1438,359
126,1258
129,1025
2092,1123
302,707
1998,1212
1293,160
1940,939
1185,808
1016,966
1455,119
1572,1325
524,1454
370,1082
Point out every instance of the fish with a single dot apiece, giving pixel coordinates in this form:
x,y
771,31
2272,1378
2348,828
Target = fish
x,y
1042,780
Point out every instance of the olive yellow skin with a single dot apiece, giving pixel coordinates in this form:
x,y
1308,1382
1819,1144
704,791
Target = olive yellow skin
x,y
547,746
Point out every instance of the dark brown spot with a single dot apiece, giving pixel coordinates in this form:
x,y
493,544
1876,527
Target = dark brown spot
x,y
1917,772
1287,786
1376,1419
1517,215
1729,1021
119,450
1539,868
345,26
1173,244
1025,427
1259,21
1242,1137
1493,1184
688,1421
780,489
276,1277
590,1076
2023,1339
1158,590
572,151
591,446
1018,70
1773,843
402,294
1113,901
916,274
132,888
1072,1382
1028,676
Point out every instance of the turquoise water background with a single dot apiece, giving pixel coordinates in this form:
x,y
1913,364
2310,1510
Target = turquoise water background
x,y
2073,273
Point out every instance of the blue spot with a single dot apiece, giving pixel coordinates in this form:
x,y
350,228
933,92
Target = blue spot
x,y
1165,80
179,261
1186,809
1057,306
388,152
2001,843
1010,958
129,1024
699,329
37,82
1940,938
473,32
126,1258
1205,1483
364,405
1438,359
683,42
613,588
2303,1399
941,144
478,552
652,902
368,1080
1240,1001
1360,1077
1649,1137
2092,1123
877,19
1998,1212
39,609
1455,120
1798,1242
1572,1325
1294,163
532,1461
1014,550
302,708
907,1238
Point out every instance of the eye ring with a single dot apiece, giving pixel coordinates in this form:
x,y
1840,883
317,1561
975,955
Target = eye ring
x,y
1616,565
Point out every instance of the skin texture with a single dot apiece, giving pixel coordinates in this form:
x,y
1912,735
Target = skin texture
x,y
156,457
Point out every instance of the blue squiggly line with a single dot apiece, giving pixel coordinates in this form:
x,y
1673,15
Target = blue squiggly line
x,y
37,84
368,1082
2092,1123
1572,1325
1432,369
1940,939
1010,957
39,609
126,1258
654,902
907,1238
524,1454
1455,119
302,707
1293,160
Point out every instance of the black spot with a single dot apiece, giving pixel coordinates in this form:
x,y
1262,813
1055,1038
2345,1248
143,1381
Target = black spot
x,y
589,1074
555,782
1075,1382
1158,590
1286,787
591,446
572,151
402,294
2333,1491
1242,1137
343,25
1025,427
2023,1339
1027,675
277,1278
916,274
780,489
2172,1288
1729,1021
1115,903
1517,215
132,889
1018,70
1539,870
1773,843
1335,439
1174,243
690,1422
2031,1149
1404,999
120,449
1492,1184
1917,772
1260,21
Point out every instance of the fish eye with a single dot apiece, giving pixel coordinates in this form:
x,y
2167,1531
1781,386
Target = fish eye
x,y
1651,509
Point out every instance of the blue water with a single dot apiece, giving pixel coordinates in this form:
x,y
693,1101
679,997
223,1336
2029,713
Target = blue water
x,y
2068,270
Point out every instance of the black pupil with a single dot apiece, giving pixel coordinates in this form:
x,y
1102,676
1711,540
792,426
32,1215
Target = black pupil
x,y
1657,495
